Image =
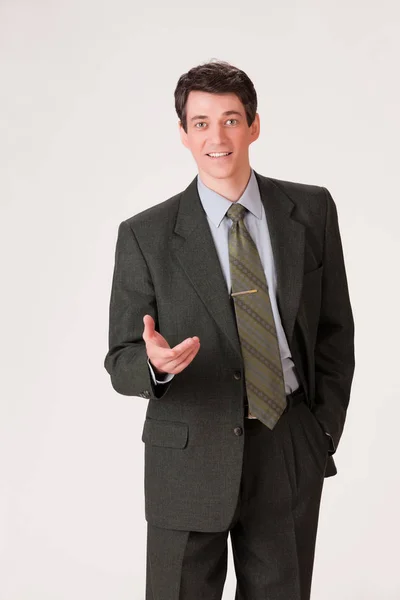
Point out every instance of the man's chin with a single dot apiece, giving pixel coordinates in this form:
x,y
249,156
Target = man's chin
x,y
218,172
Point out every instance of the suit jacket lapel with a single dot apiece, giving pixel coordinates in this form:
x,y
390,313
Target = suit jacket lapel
x,y
195,250
287,240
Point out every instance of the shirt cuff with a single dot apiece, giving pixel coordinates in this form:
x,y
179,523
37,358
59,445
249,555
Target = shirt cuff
x,y
162,379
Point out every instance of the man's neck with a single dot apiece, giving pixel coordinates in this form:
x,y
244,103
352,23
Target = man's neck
x,y
230,188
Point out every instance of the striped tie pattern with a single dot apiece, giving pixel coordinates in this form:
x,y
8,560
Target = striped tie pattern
x,y
256,326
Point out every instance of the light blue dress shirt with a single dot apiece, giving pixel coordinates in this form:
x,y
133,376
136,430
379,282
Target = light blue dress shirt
x,y
215,207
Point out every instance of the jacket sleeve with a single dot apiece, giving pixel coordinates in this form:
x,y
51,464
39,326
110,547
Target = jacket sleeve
x,y
132,297
334,350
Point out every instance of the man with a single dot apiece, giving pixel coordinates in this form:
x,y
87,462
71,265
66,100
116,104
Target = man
x,y
230,313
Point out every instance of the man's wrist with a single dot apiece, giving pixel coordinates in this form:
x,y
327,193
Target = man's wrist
x,y
157,372
160,379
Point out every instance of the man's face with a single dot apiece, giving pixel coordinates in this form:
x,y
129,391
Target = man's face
x,y
211,129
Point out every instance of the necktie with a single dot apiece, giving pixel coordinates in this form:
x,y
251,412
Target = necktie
x,y
255,322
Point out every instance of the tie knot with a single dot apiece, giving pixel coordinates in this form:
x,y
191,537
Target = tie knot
x,y
236,212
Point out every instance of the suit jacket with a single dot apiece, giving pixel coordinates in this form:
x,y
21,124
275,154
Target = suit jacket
x,y
166,265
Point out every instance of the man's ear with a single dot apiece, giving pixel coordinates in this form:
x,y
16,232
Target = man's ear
x,y
255,128
183,134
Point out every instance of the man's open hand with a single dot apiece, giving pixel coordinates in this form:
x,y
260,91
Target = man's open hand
x,y
163,358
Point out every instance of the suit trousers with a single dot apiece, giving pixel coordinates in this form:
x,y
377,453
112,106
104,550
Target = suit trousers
x,y
273,530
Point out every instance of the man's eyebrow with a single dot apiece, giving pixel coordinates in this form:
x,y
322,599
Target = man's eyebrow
x,y
226,113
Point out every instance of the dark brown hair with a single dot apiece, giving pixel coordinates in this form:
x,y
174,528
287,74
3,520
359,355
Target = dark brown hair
x,y
216,77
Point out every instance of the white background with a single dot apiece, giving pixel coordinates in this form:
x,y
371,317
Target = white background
x,y
88,138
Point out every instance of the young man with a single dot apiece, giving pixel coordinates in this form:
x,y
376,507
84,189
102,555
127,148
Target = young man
x,y
230,313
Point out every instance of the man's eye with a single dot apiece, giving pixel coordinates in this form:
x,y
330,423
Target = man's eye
x,y
204,123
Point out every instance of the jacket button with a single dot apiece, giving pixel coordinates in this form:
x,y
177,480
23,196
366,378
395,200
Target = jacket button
x,y
238,431
237,375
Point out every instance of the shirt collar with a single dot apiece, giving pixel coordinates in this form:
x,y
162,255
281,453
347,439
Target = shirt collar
x,y
216,205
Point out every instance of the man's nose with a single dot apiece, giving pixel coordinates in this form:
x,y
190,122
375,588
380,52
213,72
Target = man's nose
x,y
217,135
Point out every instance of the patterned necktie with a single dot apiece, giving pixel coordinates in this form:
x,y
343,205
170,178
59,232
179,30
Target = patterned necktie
x,y
256,326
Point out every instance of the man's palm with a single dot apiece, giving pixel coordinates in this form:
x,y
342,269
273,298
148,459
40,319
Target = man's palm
x,y
164,358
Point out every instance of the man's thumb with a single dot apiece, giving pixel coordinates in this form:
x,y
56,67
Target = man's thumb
x,y
148,327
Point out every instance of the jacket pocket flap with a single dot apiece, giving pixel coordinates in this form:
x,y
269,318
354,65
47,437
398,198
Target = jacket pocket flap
x,y
314,273
169,434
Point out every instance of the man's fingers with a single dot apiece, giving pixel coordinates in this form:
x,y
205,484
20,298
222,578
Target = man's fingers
x,y
176,351
180,351
149,325
182,364
179,358
183,346
167,359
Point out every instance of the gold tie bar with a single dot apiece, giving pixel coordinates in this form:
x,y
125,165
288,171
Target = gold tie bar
x,y
245,292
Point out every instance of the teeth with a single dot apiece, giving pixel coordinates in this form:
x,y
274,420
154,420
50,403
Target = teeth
x,y
217,154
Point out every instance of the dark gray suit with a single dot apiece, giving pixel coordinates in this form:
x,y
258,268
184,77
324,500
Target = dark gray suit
x,y
166,265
